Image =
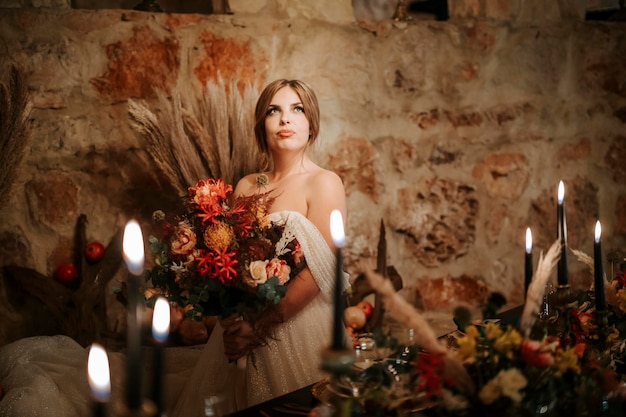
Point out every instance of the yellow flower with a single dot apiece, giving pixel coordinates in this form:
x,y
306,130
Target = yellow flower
x,y
471,331
568,360
508,341
613,336
218,236
493,330
467,345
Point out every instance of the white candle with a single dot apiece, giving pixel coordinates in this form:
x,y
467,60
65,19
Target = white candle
x,y
99,376
134,257
339,239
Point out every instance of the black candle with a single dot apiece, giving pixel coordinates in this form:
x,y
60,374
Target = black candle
x,y
134,258
598,270
562,274
99,377
528,261
160,332
337,232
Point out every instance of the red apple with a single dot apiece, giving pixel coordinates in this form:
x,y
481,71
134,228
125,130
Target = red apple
x,y
94,251
354,317
367,308
66,273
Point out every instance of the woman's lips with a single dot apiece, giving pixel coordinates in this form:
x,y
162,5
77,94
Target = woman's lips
x,y
285,133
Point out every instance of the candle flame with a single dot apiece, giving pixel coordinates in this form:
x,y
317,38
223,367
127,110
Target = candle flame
x,y
561,192
161,320
598,231
133,247
336,228
529,240
98,372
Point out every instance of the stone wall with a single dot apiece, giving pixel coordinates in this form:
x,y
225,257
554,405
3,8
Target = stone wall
x,y
455,132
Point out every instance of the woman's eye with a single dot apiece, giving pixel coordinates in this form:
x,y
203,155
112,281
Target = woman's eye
x,y
299,109
271,111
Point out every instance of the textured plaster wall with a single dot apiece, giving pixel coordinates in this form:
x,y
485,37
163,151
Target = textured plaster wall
x,y
456,133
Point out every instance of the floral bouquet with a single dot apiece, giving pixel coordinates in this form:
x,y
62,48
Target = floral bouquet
x,y
222,255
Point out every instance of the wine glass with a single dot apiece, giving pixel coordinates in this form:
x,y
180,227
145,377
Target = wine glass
x,y
366,374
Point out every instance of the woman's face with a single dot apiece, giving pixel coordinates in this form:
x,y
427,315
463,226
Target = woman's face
x,y
286,125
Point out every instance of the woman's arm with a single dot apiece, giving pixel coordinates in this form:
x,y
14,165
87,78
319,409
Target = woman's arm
x,y
240,337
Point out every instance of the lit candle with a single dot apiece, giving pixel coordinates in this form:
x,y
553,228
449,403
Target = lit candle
x,y
134,258
528,261
160,333
339,239
562,273
598,270
99,377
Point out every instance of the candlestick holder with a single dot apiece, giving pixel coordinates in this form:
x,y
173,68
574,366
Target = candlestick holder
x,y
602,320
563,296
146,409
337,361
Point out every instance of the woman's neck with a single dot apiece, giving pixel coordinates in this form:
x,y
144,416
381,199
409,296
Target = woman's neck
x,y
285,166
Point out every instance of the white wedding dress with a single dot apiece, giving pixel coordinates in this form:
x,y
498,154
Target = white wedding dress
x,y
46,376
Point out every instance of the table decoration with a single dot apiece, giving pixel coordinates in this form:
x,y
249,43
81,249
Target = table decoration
x,y
492,368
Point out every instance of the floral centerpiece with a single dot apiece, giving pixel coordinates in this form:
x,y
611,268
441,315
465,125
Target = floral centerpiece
x,y
221,255
567,366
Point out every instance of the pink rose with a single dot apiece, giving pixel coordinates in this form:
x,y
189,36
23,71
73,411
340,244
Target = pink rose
x,y
298,254
536,353
278,268
183,240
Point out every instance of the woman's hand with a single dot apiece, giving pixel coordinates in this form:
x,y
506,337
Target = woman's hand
x,y
239,338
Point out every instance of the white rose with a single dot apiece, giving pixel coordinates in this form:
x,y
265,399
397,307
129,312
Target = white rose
x,y
490,392
512,381
258,274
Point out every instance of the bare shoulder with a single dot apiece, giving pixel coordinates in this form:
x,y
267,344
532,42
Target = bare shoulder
x,y
323,182
323,178
247,185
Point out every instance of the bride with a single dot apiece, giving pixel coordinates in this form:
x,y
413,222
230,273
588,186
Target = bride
x,y
46,376
286,124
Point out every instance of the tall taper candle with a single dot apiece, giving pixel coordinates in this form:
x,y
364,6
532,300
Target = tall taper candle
x,y
337,233
160,333
99,377
562,274
528,261
134,258
598,270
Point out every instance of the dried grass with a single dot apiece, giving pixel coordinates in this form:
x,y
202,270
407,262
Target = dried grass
x,y
193,138
402,311
537,287
15,129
